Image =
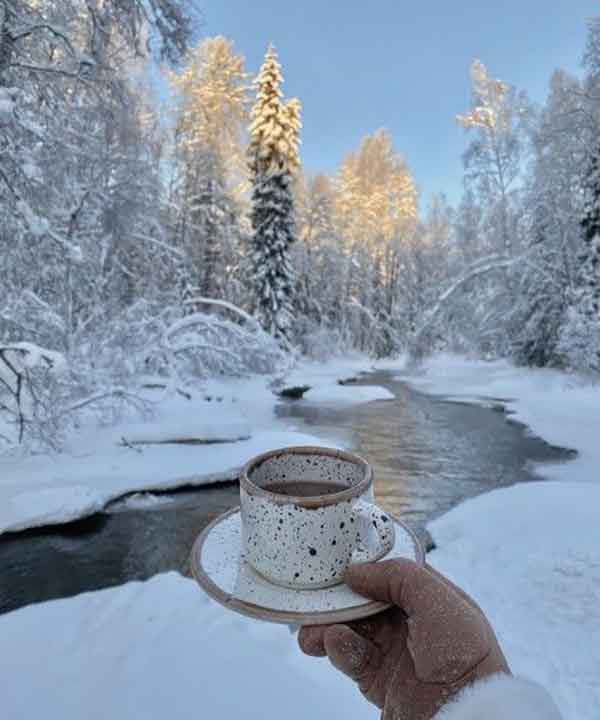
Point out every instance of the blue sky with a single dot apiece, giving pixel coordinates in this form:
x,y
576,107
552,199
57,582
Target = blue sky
x,y
358,66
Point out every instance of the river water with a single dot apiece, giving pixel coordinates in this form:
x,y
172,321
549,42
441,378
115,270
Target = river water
x,y
427,454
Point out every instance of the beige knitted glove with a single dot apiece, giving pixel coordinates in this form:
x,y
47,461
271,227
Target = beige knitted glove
x,y
413,658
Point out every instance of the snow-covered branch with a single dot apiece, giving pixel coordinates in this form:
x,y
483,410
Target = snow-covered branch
x,y
479,269
52,29
226,305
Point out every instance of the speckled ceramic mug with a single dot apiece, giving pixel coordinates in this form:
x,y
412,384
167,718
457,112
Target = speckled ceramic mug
x,y
308,541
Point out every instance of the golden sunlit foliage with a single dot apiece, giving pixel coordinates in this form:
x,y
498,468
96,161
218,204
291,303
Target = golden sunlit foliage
x,y
213,93
376,196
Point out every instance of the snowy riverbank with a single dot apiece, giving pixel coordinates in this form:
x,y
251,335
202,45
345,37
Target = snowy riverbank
x,y
100,464
530,554
562,409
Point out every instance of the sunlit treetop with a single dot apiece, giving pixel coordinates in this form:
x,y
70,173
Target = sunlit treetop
x,y
375,193
275,126
213,108
490,109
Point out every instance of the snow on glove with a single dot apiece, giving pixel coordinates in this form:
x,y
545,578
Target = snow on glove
x,y
413,658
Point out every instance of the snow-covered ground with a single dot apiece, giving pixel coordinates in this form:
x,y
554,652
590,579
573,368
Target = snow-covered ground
x,y
529,554
100,464
158,650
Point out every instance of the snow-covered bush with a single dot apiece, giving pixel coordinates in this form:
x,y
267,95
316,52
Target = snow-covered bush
x,y
31,384
579,343
41,396
206,337
321,341
202,344
44,392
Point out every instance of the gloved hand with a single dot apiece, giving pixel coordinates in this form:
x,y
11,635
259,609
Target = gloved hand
x,y
413,658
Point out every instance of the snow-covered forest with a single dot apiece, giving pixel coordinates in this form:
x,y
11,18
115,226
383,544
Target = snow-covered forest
x,y
181,292
156,225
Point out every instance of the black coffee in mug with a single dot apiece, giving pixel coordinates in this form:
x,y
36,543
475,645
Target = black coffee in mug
x,y
305,488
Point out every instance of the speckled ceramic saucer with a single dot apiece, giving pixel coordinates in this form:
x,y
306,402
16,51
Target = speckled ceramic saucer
x,y
219,567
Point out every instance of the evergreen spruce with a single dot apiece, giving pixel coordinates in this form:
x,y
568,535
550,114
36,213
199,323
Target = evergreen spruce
x,y
273,159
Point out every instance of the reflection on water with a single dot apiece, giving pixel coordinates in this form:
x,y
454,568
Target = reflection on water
x,y
427,454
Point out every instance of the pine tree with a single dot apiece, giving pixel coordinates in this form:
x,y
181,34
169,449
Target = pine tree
x,y
274,140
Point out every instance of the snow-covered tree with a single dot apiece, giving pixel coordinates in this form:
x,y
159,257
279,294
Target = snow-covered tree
x,y
376,194
375,208
490,222
80,202
212,106
273,153
552,215
554,316
493,158
321,311
580,339
208,167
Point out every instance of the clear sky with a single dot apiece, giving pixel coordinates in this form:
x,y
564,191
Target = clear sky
x,y
358,66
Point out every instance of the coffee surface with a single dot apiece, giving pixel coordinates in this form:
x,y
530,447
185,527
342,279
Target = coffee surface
x,y
305,488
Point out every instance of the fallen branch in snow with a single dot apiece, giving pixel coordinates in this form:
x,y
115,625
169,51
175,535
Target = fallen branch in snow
x,y
184,441
125,443
165,386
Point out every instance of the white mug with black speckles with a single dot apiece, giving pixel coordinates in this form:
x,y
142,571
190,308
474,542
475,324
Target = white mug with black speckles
x,y
307,539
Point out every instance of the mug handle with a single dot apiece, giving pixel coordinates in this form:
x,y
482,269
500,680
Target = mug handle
x,y
376,529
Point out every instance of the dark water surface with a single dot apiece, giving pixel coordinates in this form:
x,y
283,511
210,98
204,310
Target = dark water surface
x,y
428,455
